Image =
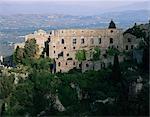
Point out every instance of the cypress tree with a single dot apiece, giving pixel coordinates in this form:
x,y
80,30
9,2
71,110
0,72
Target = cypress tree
x,y
116,73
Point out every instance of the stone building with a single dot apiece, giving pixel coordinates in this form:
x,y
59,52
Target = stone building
x,y
62,46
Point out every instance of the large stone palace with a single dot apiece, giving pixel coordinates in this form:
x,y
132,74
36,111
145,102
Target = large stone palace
x,y
62,46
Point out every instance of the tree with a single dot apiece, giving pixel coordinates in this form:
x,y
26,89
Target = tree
x,y
116,72
96,53
30,50
80,55
18,55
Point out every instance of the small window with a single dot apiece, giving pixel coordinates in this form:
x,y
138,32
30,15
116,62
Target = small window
x,y
62,31
117,46
64,47
111,31
74,41
132,46
53,46
62,41
74,47
126,47
111,40
104,65
82,41
66,63
87,65
99,40
59,64
92,41
68,54
54,52
73,63
129,39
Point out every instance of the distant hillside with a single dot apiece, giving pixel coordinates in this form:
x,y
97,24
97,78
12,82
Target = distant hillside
x,y
129,17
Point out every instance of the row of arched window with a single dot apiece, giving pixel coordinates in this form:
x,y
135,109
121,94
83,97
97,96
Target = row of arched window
x,y
74,41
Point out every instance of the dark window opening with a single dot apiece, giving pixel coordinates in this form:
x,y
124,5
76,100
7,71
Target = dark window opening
x,y
73,63
66,63
53,46
67,54
69,59
74,41
64,47
87,65
111,31
59,64
80,66
50,33
61,31
61,54
99,40
82,41
62,41
49,38
111,40
74,47
132,46
126,47
54,52
117,46
129,39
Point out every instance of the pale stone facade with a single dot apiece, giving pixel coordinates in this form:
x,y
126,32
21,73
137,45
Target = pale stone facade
x,y
65,43
62,46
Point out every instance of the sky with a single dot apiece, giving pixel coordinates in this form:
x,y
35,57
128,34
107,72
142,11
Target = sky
x,y
74,7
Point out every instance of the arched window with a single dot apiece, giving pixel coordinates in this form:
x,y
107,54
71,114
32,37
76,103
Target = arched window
x,y
132,46
99,40
111,40
129,39
62,41
82,41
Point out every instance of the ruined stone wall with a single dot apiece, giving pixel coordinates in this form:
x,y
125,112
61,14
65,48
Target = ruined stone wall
x,y
130,42
66,43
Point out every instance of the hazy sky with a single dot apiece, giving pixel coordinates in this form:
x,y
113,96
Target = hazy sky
x,y
74,7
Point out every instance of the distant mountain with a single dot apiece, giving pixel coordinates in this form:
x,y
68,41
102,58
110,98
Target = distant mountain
x,y
128,17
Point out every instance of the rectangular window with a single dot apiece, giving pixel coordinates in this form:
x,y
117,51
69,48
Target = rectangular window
x,y
126,47
111,40
74,41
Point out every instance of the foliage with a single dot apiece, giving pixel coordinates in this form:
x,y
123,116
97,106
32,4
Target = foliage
x,y
30,49
136,31
18,55
96,53
80,55
116,72
6,86
27,54
113,51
